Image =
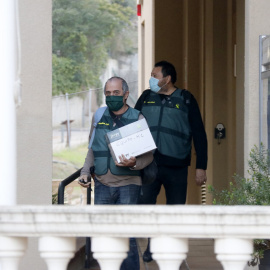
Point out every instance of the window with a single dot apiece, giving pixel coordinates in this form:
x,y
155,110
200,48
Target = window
x,y
265,90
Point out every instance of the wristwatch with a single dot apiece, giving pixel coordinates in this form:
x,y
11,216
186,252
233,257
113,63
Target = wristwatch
x,y
132,168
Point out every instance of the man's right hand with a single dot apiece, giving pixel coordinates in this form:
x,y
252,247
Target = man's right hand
x,y
84,181
201,177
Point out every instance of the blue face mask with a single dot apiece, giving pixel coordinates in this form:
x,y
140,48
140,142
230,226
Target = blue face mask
x,y
153,82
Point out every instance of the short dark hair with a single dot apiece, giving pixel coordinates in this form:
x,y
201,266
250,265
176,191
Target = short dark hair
x,y
167,69
124,83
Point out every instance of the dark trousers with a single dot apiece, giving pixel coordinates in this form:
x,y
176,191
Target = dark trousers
x,y
174,180
121,196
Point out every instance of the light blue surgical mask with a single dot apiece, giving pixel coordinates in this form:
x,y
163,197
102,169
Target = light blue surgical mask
x,y
153,82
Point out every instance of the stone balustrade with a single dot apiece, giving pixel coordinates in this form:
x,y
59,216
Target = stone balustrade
x,y
170,227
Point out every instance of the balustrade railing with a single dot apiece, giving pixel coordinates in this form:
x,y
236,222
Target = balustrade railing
x,y
169,227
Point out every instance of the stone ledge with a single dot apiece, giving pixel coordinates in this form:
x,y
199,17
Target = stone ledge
x,y
188,221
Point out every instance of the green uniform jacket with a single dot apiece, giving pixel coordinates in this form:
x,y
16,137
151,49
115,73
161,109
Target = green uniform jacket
x,y
168,120
102,157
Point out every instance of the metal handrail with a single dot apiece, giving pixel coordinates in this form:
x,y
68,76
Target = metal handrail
x,y
64,183
61,199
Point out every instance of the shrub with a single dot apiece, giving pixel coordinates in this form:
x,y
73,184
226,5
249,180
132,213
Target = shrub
x,y
253,190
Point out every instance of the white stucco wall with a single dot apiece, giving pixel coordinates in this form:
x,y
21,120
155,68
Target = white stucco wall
x,y
34,136
257,22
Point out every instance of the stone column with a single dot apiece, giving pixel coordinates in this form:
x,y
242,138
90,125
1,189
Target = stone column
x,y
169,252
11,251
8,157
233,253
110,251
57,251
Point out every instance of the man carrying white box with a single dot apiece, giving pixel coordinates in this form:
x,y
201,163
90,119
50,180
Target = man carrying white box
x,y
115,182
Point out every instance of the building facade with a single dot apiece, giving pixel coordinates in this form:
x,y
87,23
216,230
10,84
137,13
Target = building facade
x,y
215,47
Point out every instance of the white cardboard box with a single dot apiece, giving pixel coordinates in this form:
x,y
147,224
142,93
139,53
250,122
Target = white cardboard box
x,y
131,140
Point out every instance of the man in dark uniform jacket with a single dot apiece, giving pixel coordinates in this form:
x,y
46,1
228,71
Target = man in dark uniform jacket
x,y
175,120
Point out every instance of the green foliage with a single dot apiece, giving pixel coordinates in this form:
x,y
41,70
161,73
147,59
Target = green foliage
x,y
75,156
85,33
64,72
54,198
68,161
253,190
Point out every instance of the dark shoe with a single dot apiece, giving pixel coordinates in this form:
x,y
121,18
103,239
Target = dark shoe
x,y
147,256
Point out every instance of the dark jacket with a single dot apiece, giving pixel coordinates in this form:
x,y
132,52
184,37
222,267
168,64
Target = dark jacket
x,y
196,127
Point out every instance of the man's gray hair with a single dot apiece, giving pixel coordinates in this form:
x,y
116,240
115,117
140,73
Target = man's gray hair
x,y
124,83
